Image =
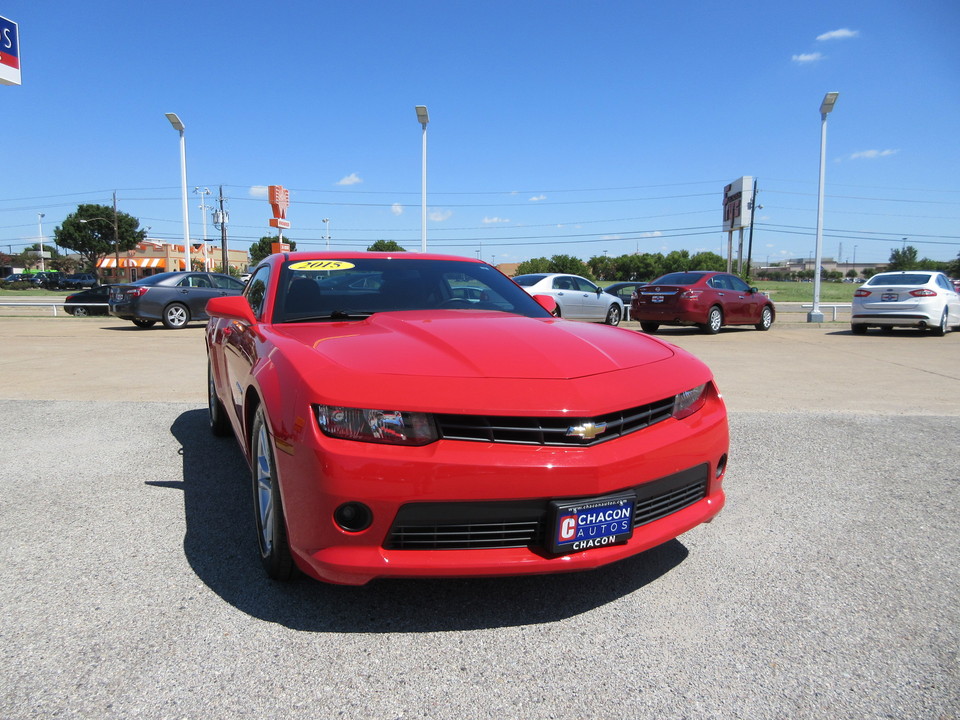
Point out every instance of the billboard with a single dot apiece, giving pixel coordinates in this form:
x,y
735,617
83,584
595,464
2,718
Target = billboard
x,y
738,204
9,52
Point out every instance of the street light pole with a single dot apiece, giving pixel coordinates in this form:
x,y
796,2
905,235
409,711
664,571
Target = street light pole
x,y
40,217
423,118
829,100
326,222
179,127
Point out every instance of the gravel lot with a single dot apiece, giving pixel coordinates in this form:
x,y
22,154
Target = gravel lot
x,y
827,588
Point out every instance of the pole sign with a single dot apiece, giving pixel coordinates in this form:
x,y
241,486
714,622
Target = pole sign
x,y
279,198
737,204
9,52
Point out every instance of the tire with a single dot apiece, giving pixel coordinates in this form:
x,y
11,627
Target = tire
x,y
943,328
614,315
217,414
714,321
858,329
176,316
766,318
649,327
144,323
80,311
267,506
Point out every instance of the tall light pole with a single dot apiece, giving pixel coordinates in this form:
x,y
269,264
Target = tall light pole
x,y
40,217
423,118
326,221
829,100
203,213
178,126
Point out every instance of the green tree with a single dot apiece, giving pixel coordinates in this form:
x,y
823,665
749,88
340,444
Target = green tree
x,y
570,265
89,232
263,247
706,260
386,246
534,265
905,259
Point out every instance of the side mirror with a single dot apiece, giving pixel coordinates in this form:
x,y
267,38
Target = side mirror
x,y
754,291
547,303
231,307
599,291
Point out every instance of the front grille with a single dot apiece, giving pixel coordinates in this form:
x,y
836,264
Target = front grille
x,y
552,430
513,524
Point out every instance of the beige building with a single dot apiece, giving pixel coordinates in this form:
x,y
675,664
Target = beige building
x,y
151,257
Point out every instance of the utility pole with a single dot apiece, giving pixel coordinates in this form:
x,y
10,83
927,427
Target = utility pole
x,y
203,211
220,219
116,237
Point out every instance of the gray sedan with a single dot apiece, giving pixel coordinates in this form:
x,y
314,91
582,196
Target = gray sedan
x,y
174,298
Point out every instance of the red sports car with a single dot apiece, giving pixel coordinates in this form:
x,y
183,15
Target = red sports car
x,y
709,300
397,425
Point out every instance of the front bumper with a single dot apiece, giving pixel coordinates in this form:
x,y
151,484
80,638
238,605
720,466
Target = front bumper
x,y
470,480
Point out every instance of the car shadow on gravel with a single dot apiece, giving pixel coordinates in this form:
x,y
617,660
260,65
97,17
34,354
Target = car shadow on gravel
x,y
220,546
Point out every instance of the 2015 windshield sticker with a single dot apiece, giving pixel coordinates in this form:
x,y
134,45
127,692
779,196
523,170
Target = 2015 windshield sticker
x,y
322,265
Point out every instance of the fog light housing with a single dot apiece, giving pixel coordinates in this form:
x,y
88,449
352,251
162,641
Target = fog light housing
x,y
721,465
353,517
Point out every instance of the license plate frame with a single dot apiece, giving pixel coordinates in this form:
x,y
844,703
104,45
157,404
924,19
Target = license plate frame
x,y
585,523
657,299
889,297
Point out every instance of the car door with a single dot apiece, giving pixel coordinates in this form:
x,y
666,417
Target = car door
x,y
568,296
744,305
194,290
593,302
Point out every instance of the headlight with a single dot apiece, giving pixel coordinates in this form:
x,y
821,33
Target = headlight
x,y
688,402
392,427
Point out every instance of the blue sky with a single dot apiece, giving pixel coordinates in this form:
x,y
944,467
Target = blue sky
x,y
555,127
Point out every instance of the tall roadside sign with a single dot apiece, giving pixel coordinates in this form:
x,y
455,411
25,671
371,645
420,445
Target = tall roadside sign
x,y
279,198
9,52
737,215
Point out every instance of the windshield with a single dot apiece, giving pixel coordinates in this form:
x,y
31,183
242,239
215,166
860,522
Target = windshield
x,y
354,288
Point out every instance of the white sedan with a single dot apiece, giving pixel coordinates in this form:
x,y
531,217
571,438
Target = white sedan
x,y
923,299
577,298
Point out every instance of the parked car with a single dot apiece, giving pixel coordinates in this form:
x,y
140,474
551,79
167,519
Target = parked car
x,y
16,278
49,279
78,281
706,299
88,302
407,432
577,298
174,298
914,298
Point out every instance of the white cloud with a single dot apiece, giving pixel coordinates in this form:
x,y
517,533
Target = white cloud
x,y
805,58
258,191
396,209
872,154
612,237
351,179
538,198
841,34
440,215
655,233
488,220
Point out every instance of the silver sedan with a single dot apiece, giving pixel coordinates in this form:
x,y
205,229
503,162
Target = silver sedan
x,y
577,298
922,299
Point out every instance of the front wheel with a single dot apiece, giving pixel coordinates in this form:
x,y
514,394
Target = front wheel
x,y
714,321
766,319
268,507
613,315
176,316
219,423
80,311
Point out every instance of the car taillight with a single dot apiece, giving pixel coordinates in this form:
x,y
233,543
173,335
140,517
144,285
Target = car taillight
x,y
861,293
690,294
137,292
923,293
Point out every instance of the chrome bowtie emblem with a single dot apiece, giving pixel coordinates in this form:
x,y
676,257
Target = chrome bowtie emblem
x,y
587,431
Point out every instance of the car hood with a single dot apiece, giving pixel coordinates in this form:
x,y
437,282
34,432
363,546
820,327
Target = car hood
x,y
469,344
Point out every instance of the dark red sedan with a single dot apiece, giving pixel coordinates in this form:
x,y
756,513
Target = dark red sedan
x,y
706,299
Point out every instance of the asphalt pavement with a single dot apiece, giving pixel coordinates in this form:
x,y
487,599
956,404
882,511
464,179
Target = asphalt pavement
x,y
827,588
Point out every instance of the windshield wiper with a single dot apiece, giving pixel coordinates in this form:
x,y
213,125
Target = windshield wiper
x,y
335,315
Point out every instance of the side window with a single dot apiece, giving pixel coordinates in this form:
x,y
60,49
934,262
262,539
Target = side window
x,y
738,284
256,292
226,283
585,285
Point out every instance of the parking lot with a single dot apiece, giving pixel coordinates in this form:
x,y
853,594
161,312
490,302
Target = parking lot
x,y
827,588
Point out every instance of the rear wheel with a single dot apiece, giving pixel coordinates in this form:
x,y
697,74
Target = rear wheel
x,y
858,329
144,323
649,327
613,315
268,507
943,328
714,321
766,319
176,316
